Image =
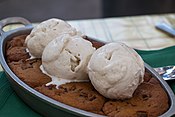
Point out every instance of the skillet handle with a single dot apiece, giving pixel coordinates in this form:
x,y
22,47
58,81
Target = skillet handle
x,y
12,20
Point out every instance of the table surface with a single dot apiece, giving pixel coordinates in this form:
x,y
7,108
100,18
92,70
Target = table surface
x,y
136,31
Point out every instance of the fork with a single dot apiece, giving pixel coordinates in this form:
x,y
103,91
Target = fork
x,y
167,72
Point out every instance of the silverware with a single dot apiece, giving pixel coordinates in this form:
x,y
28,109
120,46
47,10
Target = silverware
x,y
166,28
166,72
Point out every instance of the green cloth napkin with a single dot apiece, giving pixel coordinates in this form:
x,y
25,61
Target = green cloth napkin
x,y
12,106
158,58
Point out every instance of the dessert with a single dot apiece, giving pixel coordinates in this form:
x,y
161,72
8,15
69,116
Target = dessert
x,y
115,70
149,98
66,57
45,32
146,102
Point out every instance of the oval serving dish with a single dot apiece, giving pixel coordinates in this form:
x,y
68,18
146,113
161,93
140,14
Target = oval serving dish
x,y
43,104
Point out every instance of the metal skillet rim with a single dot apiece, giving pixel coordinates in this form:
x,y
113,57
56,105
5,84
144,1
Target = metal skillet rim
x,y
63,106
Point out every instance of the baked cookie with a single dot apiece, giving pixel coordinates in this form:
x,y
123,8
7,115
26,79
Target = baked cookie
x,y
16,54
16,50
29,72
80,95
149,100
17,41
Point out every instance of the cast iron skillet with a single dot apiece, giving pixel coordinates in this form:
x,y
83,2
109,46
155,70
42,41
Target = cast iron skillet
x,y
41,103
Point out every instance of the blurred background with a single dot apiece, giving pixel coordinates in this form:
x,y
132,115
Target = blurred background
x,y
39,10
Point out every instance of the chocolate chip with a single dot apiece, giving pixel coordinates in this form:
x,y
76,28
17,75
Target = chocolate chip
x,y
142,114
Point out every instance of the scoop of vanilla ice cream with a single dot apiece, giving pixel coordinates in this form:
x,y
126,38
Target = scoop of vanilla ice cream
x,y
67,57
116,70
45,32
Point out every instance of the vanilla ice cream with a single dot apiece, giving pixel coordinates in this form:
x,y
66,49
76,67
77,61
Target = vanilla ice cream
x,y
116,70
45,32
67,57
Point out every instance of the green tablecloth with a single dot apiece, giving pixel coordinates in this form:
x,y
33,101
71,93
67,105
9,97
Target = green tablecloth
x,y
12,106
